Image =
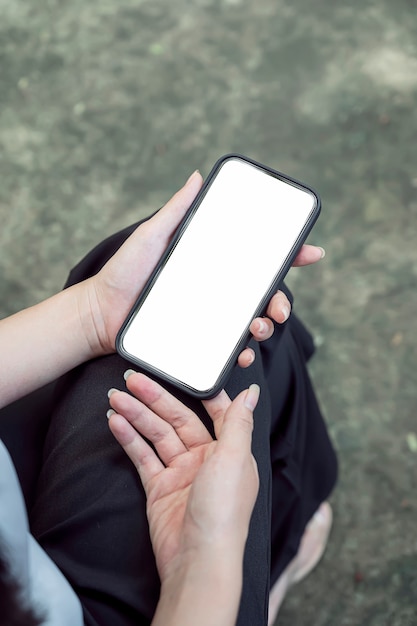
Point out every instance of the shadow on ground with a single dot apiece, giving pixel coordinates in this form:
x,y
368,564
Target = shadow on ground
x,y
106,108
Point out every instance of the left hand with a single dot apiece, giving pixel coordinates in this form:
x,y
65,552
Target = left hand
x,y
113,291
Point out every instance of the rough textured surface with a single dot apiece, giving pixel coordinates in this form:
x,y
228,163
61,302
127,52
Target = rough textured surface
x,y
106,108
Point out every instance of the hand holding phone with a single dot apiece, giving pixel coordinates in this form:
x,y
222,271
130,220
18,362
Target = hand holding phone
x,y
227,258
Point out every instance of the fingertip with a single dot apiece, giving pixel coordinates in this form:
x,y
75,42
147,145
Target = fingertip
x,y
246,358
262,328
218,405
285,311
128,373
309,254
194,182
196,174
174,210
120,427
252,397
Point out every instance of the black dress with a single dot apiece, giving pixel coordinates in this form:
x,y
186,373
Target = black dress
x,y
86,504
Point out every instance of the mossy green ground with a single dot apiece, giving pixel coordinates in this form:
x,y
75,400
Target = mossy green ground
x,y
107,107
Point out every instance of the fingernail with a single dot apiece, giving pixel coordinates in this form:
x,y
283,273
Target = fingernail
x,y
251,356
323,252
252,396
109,413
285,310
128,373
111,392
192,176
262,326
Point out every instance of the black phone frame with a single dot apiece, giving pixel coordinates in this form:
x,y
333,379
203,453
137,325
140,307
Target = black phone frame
x,y
225,373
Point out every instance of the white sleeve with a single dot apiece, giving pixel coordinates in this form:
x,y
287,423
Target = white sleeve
x,y
42,584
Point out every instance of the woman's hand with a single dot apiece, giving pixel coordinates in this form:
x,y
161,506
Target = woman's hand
x,y
82,321
200,492
113,291
200,495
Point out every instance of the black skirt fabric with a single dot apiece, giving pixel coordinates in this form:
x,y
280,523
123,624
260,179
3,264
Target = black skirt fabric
x,y
88,510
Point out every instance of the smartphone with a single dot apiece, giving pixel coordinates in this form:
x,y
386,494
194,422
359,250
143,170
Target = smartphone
x,y
226,260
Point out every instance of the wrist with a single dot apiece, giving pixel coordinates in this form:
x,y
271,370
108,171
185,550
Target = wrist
x,y
203,587
53,339
88,318
91,322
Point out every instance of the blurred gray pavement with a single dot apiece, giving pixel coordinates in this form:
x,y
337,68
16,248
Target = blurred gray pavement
x,y
107,107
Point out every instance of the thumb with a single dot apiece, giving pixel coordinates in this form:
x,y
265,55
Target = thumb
x,y
237,425
147,243
168,218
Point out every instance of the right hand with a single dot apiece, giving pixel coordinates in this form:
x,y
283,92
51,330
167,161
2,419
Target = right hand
x,y
200,492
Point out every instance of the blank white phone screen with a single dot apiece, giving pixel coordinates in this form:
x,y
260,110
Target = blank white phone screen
x,y
228,257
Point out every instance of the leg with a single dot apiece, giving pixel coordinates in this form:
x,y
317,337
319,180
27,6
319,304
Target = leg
x,y
96,529
90,511
90,508
312,546
304,465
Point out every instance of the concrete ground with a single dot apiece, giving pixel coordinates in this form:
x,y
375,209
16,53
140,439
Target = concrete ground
x,y
107,107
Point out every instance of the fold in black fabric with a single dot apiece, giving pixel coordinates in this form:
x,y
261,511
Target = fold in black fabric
x,y
89,509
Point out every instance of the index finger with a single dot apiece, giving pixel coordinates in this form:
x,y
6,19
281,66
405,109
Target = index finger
x,y
188,426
